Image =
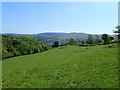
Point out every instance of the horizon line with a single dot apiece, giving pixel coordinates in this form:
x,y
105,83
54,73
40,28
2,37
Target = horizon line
x,y
58,32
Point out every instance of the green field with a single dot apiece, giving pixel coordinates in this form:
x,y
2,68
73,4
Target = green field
x,y
64,67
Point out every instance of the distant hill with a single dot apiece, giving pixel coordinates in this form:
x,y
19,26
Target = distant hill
x,y
50,38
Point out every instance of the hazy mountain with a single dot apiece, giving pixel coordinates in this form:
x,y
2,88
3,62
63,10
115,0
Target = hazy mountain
x,y
50,38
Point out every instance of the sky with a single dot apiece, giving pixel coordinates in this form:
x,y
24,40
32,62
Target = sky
x,y
119,13
39,17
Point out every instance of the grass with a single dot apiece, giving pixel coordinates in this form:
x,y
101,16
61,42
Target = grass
x,y
0,74
64,67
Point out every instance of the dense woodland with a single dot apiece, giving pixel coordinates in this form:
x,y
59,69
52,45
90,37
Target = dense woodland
x,y
16,46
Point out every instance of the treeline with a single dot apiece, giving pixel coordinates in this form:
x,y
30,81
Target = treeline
x,y
93,39
16,46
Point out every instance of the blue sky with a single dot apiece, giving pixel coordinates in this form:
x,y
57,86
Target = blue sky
x,y
39,17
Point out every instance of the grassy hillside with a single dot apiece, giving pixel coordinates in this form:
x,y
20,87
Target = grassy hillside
x,y
64,67
0,74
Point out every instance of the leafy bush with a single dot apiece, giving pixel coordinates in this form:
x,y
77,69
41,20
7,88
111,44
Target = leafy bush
x,y
114,41
55,44
16,46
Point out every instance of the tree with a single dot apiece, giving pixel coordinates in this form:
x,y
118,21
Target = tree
x,y
117,31
106,39
71,41
97,39
90,39
83,42
111,38
15,46
55,44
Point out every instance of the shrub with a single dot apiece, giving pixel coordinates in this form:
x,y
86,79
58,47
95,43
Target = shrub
x,y
15,46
